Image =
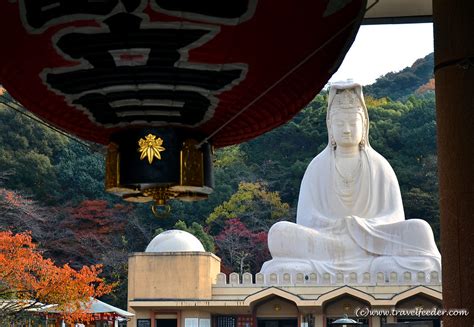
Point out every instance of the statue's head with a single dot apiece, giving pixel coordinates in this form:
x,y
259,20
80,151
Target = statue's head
x,y
347,118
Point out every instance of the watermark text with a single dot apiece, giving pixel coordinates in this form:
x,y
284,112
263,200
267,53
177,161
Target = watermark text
x,y
416,312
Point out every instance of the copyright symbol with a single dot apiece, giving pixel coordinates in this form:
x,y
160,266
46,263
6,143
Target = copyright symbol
x,y
362,312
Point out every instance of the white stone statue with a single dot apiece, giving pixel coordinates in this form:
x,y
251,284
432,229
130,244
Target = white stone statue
x,y
350,214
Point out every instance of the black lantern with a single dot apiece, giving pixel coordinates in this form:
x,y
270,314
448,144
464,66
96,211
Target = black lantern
x,y
157,164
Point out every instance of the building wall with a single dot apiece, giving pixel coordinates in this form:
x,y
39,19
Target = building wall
x,y
156,276
171,276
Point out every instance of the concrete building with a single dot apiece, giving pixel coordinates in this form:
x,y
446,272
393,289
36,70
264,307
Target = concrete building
x,y
187,289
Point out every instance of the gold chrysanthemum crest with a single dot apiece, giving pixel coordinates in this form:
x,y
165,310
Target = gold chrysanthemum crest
x,y
150,147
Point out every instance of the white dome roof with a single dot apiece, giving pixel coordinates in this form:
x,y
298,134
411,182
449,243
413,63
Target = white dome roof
x,y
175,241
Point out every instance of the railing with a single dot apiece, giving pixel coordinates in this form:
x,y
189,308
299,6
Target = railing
x,y
393,278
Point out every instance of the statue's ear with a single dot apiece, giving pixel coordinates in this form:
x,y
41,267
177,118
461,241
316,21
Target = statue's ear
x,y
333,142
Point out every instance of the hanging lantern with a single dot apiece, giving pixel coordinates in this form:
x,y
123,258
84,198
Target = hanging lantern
x,y
161,82
158,164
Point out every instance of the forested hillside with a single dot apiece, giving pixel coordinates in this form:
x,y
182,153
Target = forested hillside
x,y
53,185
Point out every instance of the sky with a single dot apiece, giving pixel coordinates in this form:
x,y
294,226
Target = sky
x,y
380,49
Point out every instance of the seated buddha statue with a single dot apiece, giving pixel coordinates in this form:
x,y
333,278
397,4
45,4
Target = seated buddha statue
x,y
350,215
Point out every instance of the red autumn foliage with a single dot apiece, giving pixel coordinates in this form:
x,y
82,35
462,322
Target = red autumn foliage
x,y
96,218
242,249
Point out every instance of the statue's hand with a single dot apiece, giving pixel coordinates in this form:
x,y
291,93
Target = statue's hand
x,y
351,217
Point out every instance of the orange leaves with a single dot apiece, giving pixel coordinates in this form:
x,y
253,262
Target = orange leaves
x,y
430,86
17,254
26,275
12,199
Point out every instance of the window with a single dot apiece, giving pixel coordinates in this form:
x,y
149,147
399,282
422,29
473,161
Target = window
x,y
143,322
225,321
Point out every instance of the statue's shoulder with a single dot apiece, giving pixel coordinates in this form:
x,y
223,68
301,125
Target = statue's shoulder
x,y
377,157
322,159
319,165
378,162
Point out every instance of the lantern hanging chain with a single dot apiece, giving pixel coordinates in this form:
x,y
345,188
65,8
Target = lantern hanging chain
x,y
301,63
20,110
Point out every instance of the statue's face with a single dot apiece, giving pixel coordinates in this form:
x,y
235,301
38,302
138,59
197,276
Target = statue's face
x,y
347,128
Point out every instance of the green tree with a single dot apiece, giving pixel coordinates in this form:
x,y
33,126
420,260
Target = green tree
x,y
47,165
83,171
195,229
280,157
254,205
401,84
230,168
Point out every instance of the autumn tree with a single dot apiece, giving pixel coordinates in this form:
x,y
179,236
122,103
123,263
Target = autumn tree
x,y
97,215
19,212
27,279
430,86
241,249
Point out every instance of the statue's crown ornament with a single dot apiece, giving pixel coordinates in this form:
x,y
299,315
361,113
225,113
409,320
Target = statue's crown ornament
x,y
346,99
